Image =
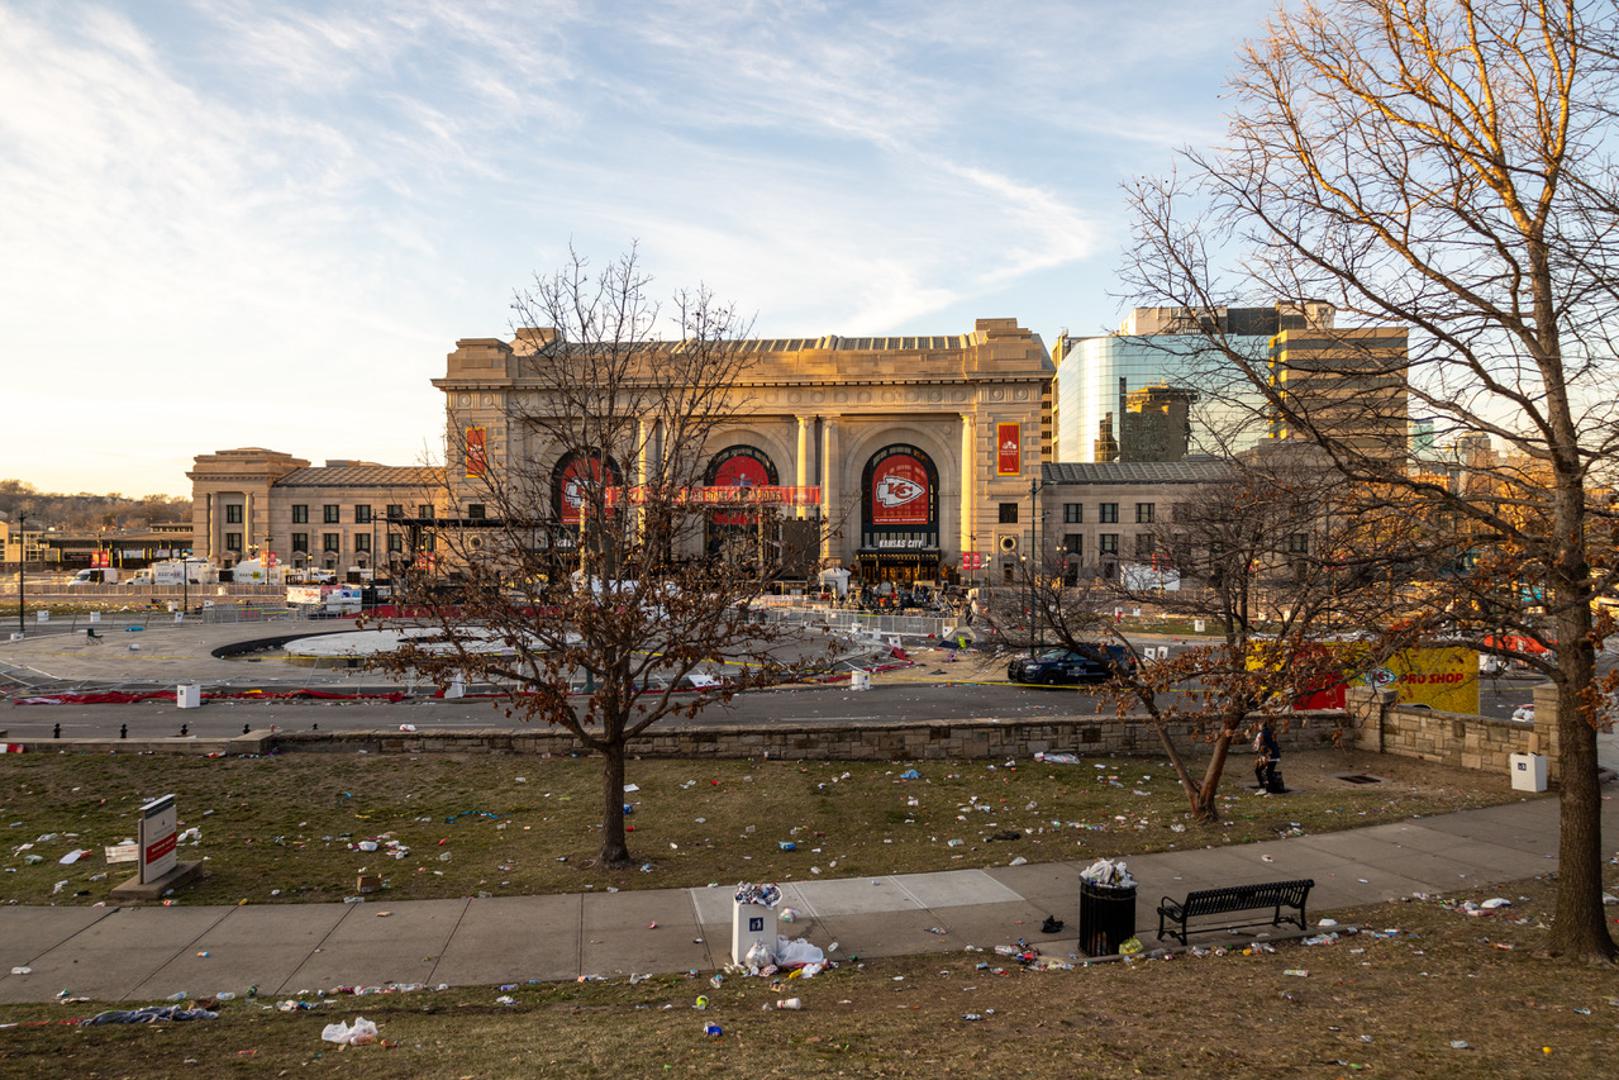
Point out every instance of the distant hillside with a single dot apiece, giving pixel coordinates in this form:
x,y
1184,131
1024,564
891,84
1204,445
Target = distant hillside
x,y
87,511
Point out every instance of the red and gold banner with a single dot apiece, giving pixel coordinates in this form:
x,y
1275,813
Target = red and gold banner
x,y
1008,449
899,492
477,452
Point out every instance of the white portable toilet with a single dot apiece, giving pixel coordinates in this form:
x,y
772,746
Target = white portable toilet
x,y
188,695
860,680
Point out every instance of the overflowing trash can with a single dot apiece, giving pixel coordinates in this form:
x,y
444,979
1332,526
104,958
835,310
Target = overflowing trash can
x,y
753,923
1107,908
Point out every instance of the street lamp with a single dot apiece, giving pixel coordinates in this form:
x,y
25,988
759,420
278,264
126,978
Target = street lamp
x,y
22,567
1033,558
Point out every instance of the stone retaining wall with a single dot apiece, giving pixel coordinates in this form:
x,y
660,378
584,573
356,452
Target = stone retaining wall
x,y
1469,742
843,742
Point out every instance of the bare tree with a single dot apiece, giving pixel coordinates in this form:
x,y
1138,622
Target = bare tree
x,y
1444,166
1276,558
600,573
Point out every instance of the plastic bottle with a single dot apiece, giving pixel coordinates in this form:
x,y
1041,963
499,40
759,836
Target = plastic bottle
x,y
789,1003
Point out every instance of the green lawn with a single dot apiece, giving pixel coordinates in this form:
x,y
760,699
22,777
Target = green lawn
x,y
281,828
1377,1007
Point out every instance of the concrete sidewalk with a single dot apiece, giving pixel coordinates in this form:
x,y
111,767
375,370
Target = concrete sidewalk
x,y
143,953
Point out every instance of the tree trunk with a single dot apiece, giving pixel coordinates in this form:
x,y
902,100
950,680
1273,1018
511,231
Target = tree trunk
x,y
1579,927
1207,794
615,851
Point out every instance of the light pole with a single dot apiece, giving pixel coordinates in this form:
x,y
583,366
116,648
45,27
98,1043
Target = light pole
x,y
22,567
1033,559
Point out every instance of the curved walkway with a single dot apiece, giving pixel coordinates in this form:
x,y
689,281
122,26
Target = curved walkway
x,y
153,952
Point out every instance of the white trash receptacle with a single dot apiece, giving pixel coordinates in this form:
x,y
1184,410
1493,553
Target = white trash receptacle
x,y
95,616
188,695
1528,772
751,924
860,680
457,688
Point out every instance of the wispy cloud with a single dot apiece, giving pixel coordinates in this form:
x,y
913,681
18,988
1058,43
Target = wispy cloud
x,y
296,208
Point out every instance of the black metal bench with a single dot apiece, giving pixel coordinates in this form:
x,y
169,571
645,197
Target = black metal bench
x,y
1234,898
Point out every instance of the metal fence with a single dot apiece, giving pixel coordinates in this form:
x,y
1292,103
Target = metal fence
x,y
858,621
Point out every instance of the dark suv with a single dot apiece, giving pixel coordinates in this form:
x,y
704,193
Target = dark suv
x,y
1088,664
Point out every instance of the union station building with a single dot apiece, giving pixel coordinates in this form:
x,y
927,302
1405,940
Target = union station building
x,y
917,449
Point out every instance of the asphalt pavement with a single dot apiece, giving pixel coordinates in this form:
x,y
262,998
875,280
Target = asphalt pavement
x,y
906,702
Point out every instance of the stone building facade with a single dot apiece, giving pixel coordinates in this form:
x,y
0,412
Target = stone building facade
x,y
342,516
916,446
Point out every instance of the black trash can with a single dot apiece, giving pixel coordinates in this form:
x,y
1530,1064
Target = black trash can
x,y
1107,917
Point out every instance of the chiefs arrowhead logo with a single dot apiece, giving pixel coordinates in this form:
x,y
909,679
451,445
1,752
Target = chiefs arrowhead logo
x,y
895,491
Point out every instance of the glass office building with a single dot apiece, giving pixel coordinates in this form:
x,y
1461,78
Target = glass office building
x,y
1155,397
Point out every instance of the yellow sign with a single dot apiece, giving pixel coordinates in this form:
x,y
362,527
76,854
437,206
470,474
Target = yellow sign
x,y
1444,679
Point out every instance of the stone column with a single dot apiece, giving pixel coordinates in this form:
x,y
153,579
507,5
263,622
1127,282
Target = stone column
x,y
1364,710
210,525
830,463
1545,699
801,460
969,481
247,523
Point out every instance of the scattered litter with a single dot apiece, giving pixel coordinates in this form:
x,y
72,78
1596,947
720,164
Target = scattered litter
x,y
789,1003
1326,924
23,970
1460,1044
1300,972
629,789
1052,925
1058,759
73,856
910,774
787,915
362,1033
1019,861
713,1031
787,845
1496,902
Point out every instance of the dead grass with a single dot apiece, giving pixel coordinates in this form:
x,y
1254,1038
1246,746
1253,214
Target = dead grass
x,y
282,828
1387,1007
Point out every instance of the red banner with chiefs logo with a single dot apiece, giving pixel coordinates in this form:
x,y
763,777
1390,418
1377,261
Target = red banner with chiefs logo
x,y
899,492
477,451
1008,449
575,481
739,467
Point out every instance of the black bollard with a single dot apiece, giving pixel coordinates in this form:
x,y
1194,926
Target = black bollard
x,y
56,733
184,728
314,727
123,731
246,728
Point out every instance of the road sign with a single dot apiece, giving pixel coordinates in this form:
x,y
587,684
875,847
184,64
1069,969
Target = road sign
x,y
158,838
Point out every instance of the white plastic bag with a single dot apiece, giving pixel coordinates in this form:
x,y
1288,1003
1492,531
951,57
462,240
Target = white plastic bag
x,y
793,951
362,1033
758,957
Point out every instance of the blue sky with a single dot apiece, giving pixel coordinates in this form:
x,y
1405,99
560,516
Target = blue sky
x,y
236,224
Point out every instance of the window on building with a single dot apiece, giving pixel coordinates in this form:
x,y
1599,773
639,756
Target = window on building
x,y
1109,513
1144,545
395,510
362,541
329,514
233,513
1008,513
362,515
1073,513
1108,543
396,542
475,511
1144,512
1298,543
300,542
424,510
331,541
300,514
1073,544
233,541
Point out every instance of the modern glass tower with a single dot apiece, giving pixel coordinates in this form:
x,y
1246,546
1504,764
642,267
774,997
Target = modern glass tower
x,y
1158,390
